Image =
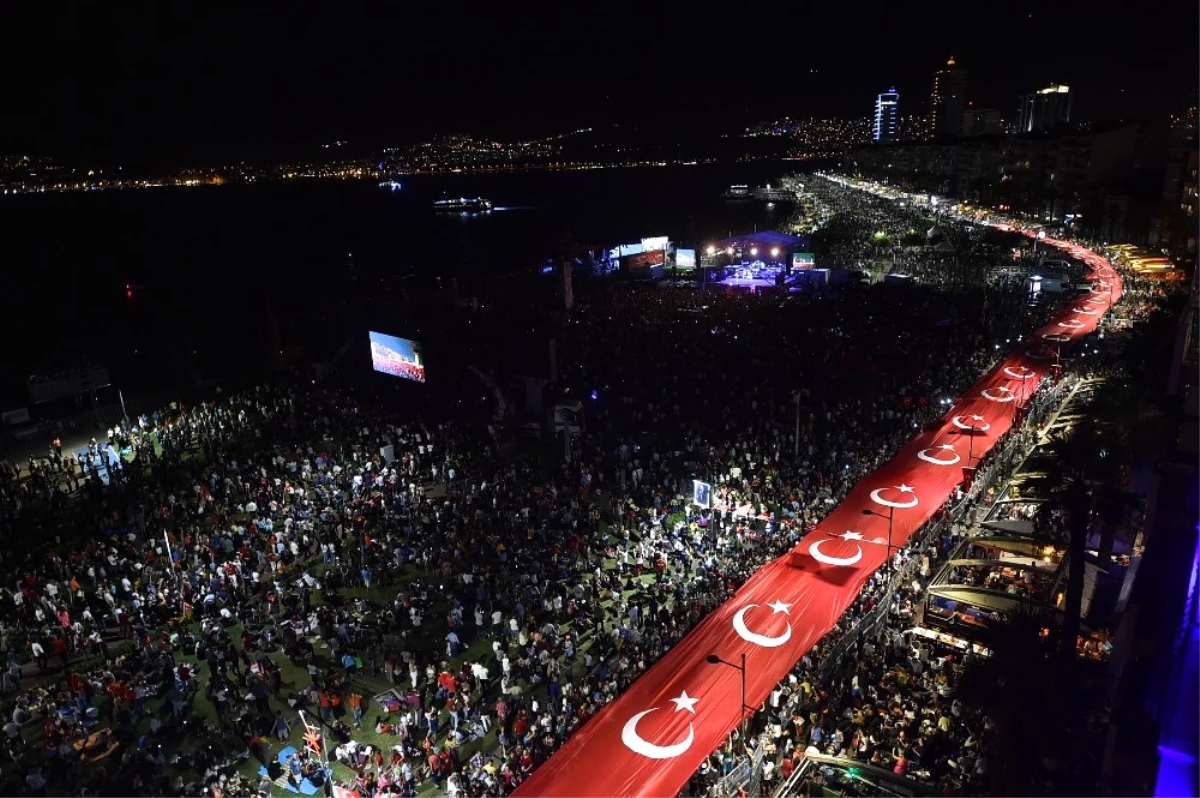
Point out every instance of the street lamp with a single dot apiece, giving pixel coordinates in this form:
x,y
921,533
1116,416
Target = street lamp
x,y
891,519
713,659
796,441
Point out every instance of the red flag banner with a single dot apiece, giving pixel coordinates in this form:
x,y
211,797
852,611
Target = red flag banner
x,y
312,739
650,740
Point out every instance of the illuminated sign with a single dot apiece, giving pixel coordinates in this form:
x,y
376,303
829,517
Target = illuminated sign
x,y
654,244
685,259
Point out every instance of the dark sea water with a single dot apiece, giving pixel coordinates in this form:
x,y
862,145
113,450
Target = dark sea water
x,y
204,263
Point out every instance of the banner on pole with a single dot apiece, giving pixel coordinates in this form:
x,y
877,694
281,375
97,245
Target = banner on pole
x,y
702,493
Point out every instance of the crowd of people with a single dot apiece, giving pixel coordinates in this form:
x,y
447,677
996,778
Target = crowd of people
x,y
255,564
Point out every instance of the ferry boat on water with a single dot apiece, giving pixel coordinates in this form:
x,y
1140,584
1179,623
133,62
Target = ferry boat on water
x,y
463,205
738,192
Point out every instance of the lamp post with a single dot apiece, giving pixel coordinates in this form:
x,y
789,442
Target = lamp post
x,y
891,518
796,441
713,659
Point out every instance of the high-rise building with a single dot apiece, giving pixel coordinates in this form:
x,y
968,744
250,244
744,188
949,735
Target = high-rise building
x,y
982,122
1185,137
1045,109
949,100
887,115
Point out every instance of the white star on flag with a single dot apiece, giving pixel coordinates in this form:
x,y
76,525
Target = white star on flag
x,y
685,702
904,489
949,447
850,535
1004,389
779,606
977,418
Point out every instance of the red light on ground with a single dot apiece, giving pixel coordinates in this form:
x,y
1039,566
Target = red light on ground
x,y
128,294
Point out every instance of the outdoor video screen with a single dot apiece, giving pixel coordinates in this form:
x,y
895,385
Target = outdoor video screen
x,y
685,259
398,357
803,260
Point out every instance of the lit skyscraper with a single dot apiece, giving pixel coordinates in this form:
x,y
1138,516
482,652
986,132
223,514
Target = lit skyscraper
x,y
1046,109
949,100
887,109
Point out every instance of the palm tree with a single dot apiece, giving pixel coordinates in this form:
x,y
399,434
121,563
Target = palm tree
x,y
1020,687
1134,427
1113,508
1076,461
569,251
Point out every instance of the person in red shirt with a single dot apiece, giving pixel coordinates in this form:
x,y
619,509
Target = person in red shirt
x,y
60,649
326,706
435,768
185,676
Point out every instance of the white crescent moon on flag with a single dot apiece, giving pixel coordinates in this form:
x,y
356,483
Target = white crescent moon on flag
x,y
766,641
983,425
634,742
1058,337
820,556
1024,374
1003,397
929,458
1083,312
877,497
1073,324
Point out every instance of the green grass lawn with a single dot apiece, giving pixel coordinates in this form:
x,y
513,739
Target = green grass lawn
x,y
297,677
369,686
429,640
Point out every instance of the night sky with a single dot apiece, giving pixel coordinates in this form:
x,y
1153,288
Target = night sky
x,y
178,81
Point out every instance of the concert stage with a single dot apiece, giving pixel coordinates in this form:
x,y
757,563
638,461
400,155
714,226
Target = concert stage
x,y
107,457
750,277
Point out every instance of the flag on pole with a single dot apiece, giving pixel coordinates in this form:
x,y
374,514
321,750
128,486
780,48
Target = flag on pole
x,y
312,739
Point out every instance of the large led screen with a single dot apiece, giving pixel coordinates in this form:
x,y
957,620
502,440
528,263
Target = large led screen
x,y
398,357
803,260
685,259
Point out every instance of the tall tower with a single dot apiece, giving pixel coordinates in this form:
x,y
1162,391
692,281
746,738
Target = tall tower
x,y
949,100
887,109
1046,109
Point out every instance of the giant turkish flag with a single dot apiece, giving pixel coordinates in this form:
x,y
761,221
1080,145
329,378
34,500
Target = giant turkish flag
x,y
650,740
